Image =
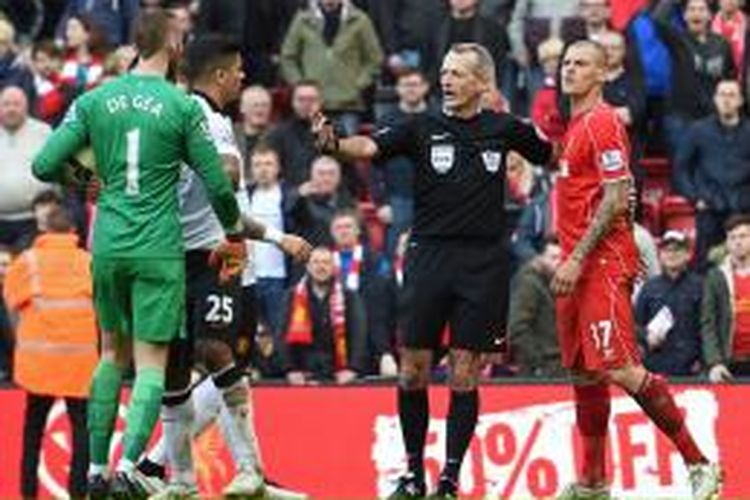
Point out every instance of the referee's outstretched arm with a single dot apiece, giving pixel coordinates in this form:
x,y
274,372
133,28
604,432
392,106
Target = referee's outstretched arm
x,y
358,147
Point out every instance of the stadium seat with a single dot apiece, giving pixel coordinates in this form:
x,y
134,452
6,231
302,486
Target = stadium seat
x,y
281,98
656,186
657,180
651,216
366,128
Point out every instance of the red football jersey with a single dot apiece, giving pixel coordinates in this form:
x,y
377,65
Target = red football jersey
x,y
595,151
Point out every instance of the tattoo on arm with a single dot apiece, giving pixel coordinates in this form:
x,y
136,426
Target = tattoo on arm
x,y
614,203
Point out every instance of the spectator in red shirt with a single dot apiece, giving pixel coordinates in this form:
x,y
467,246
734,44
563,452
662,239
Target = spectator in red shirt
x,y
725,314
545,112
46,61
731,23
84,65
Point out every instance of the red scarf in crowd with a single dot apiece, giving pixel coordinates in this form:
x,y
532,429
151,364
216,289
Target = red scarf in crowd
x,y
50,102
351,280
733,30
300,329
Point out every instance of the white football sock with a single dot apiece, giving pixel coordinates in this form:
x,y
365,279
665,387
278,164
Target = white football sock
x,y
98,470
177,423
207,401
236,422
157,454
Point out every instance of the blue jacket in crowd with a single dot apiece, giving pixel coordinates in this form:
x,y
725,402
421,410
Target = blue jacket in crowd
x,y
712,164
681,350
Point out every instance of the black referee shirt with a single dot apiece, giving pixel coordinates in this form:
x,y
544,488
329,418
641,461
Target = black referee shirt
x,y
460,169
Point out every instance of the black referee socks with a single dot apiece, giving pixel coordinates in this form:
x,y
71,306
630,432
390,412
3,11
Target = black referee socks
x,y
414,414
462,418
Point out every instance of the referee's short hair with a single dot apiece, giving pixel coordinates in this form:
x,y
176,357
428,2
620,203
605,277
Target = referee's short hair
x,y
484,65
209,52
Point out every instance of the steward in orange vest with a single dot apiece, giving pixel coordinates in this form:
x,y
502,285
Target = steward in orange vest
x,y
50,287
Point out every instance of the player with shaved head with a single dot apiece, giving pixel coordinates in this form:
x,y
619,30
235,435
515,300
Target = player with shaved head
x,y
594,284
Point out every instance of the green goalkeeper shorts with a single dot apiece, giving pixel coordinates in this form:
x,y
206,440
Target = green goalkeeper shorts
x,y
143,298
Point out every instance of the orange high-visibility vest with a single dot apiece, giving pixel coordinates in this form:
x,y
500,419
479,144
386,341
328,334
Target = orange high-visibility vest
x,y
50,287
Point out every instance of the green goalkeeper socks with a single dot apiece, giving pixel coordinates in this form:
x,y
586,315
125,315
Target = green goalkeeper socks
x,y
103,403
143,412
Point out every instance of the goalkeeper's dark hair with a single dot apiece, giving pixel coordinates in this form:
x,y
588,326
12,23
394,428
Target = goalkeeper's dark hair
x,y
208,53
152,32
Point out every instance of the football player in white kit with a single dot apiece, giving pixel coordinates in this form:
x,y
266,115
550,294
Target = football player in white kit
x,y
213,301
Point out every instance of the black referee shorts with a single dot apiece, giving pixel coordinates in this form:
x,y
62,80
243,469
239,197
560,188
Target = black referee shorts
x,y
462,284
212,311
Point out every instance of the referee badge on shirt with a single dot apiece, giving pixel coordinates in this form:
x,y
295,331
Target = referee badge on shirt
x,y
492,160
442,156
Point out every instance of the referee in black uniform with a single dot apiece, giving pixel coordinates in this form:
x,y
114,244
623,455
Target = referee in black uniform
x,y
457,261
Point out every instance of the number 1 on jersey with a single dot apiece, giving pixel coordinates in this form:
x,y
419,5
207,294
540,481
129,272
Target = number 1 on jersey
x,y
133,138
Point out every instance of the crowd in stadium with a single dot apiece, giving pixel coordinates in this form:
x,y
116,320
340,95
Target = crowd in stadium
x,y
677,76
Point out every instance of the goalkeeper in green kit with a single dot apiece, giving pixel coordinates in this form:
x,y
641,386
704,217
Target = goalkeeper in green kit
x,y
141,128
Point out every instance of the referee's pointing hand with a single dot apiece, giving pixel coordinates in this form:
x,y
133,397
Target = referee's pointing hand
x,y
566,277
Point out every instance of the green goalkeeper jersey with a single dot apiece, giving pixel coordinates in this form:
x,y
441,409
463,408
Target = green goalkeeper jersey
x,y
141,129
